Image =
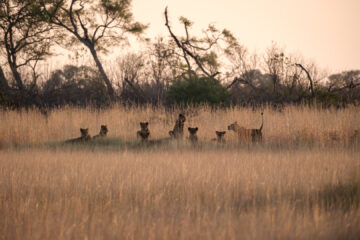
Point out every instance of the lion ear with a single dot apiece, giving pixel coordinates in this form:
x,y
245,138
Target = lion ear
x,y
147,123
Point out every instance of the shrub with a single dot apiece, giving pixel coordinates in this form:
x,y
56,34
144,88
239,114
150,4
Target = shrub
x,y
197,90
75,85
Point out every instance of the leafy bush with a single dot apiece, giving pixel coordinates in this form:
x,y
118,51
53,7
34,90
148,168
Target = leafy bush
x,y
196,90
328,98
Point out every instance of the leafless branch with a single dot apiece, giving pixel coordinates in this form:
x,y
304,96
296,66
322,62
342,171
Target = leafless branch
x,y
241,80
309,77
137,90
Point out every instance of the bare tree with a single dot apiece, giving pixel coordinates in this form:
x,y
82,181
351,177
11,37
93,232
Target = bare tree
x,y
243,67
165,64
97,24
309,78
345,80
346,84
130,68
275,61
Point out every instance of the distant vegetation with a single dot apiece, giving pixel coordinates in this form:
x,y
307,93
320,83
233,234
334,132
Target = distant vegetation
x,y
214,68
195,90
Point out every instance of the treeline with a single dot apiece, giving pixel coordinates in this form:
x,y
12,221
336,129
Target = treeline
x,y
213,68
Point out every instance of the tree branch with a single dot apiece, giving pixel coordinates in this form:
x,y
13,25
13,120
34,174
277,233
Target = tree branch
x,y
309,77
71,17
240,80
86,36
137,90
185,49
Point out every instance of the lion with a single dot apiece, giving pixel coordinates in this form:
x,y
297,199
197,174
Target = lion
x,y
103,132
144,133
178,131
83,138
219,137
255,135
193,137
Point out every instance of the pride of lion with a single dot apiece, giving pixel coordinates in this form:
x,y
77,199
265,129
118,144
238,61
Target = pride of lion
x,y
244,135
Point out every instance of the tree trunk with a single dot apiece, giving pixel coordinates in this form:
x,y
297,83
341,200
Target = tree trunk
x,y
15,73
102,72
309,77
275,81
4,86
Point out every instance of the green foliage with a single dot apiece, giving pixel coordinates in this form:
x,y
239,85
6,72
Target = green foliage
x,y
211,59
328,98
98,24
186,21
198,90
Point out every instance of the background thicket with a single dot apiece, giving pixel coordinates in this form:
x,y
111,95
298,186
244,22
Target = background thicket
x,y
182,68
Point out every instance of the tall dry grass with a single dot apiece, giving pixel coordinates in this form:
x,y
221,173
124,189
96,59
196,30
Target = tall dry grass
x,y
276,190
180,195
293,124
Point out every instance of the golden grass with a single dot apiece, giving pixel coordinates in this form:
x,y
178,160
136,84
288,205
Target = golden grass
x,y
181,192
293,124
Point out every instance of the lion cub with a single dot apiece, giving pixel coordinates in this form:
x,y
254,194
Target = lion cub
x,y
178,131
103,132
83,138
144,133
193,137
219,137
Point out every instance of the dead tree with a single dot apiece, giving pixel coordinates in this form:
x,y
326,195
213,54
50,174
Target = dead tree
x,y
309,78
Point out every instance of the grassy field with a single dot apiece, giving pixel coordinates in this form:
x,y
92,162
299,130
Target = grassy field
x,y
302,182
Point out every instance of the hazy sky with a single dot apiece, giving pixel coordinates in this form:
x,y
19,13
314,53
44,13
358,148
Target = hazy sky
x,y
325,31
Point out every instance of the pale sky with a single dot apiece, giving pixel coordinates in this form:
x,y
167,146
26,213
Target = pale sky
x,y
324,31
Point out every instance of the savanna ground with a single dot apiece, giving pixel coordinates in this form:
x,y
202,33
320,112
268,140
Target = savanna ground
x,y
302,182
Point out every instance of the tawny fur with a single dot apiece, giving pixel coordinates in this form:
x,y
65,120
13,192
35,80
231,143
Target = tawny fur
x,y
192,134
83,138
219,137
103,132
178,131
247,135
144,133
